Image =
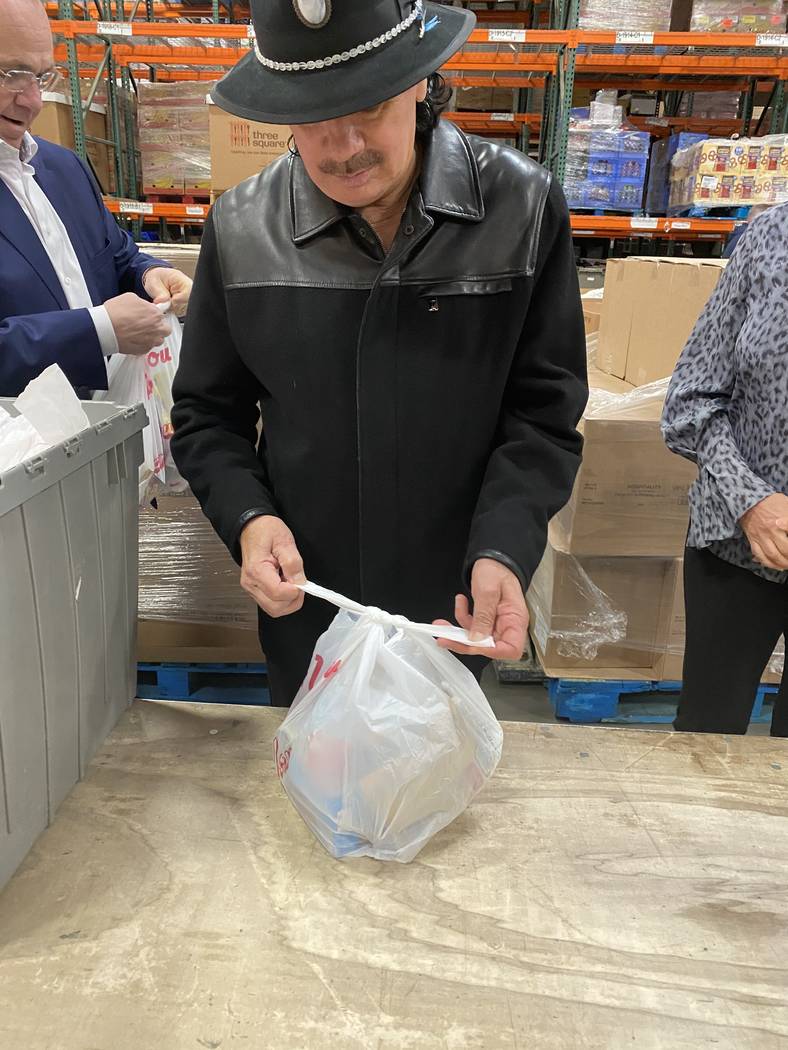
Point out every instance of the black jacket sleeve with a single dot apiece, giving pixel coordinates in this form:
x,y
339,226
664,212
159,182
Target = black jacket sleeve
x,y
531,472
216,409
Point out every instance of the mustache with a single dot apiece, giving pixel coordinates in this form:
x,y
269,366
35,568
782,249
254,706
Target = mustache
x,y
369,158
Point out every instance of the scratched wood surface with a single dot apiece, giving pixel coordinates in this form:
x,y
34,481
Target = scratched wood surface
x,y
609,889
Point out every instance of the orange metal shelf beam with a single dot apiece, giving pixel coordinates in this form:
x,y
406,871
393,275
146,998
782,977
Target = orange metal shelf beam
x,y
612,226
617,227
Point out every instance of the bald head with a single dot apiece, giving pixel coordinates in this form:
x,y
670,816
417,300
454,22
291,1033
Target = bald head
x,y
25,43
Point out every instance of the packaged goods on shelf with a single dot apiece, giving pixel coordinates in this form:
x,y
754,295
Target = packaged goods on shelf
x,y
485,100
240,148
630,494
730,173
662,153
55,123
173,123
650,308
186,572
738,16
711,105
649,16
607,161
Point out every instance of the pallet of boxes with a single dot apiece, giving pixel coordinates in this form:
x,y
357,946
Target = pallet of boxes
x,y
607,602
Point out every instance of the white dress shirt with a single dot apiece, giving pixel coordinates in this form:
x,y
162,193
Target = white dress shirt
x,y
19,176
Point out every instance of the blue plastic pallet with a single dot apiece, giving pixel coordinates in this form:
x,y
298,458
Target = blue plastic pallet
x,y
595,702
204,683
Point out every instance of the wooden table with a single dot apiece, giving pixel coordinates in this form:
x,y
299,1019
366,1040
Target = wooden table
x,y
609,889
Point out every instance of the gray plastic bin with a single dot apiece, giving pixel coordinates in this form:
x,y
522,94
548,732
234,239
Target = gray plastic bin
x,y
68,615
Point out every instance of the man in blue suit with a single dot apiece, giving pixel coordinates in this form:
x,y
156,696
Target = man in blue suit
x,y
74,288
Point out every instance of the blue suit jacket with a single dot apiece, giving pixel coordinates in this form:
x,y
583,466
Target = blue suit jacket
x,y
37,328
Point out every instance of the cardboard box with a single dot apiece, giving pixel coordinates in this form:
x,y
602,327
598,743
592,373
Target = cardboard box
x,y
198,643
485,100
598,380
630,495
604,612
55,124
241,148
650,308
592,312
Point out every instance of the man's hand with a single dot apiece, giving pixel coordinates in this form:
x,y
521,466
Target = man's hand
x,y
271,566
766,527
164,284
139,326
498,610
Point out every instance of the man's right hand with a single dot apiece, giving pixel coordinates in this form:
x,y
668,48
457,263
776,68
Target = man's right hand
x,y
139,325
766,527
271,566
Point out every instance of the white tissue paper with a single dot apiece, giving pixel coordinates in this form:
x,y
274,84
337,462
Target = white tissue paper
x,y
49,413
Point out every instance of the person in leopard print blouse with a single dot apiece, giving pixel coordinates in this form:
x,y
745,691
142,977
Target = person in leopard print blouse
x,y
727,411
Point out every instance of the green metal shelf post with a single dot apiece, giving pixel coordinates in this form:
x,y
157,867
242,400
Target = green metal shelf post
x,y
66,13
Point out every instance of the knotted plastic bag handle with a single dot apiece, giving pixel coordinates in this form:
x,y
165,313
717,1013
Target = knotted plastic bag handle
x,y
450,634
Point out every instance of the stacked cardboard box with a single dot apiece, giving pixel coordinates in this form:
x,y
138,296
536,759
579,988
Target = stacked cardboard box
x,y
607,601
191,605
173,122
182,256
55,123
729,173
650,308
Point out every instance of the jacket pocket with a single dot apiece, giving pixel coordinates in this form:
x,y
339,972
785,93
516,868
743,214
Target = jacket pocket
x,y
493,286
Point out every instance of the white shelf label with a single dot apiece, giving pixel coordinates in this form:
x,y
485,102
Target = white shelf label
x,y
250,33
502,116
195,209
114,29
681,226
135,208
771,40
506,36
634,38
644,224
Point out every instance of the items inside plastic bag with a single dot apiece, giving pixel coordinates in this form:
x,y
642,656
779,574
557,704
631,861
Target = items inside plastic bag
x,y
389,738
148,380
49,413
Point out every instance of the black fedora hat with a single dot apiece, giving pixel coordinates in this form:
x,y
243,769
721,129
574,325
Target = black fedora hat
x,y
315,60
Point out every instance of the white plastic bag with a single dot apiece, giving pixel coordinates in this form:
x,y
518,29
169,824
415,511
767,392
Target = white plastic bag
x,y
149,380
389,738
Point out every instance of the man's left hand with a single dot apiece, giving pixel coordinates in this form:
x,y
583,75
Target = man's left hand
x,y
498,610
164,284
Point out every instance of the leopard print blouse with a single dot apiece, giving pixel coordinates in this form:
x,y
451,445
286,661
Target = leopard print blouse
x,y
727,406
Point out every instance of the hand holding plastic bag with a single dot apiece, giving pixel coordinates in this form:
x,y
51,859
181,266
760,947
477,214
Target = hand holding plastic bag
x,y
389,738
148,379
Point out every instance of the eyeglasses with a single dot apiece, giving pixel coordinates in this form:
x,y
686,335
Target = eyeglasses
x,y
18,80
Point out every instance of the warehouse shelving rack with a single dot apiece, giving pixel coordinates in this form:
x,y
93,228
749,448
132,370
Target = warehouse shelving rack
x,y
509,49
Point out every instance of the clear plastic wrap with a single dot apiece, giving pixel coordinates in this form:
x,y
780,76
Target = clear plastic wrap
x,y
174,142
186,572
607,161
738,16
648,16
777,662
730,173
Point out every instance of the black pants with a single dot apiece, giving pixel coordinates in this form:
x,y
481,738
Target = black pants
x,y
734,621
288,644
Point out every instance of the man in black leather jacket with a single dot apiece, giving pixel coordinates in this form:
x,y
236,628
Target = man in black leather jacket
x,y
402,304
